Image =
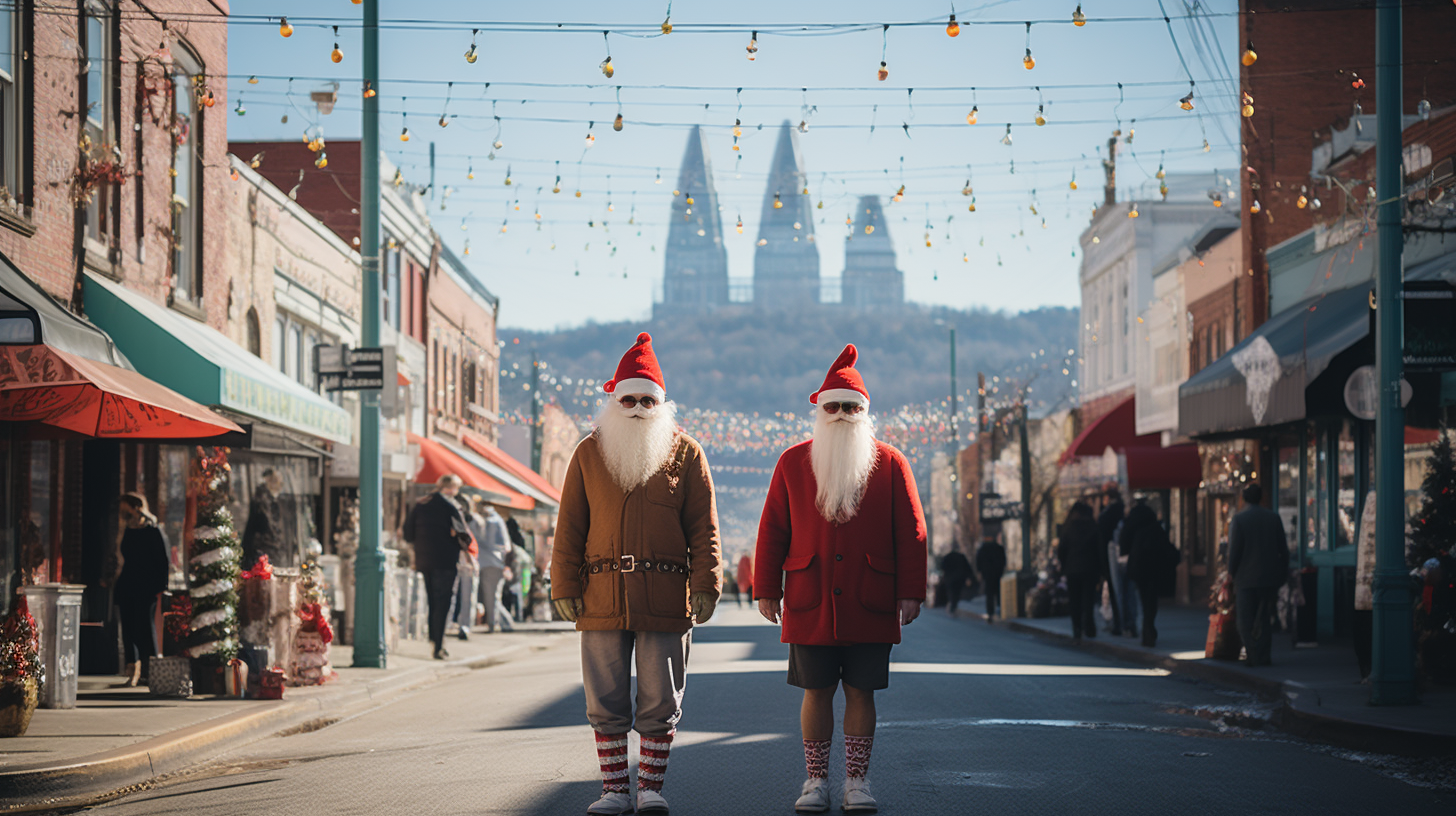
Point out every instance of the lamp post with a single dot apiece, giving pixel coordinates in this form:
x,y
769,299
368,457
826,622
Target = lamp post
x,y
1392,677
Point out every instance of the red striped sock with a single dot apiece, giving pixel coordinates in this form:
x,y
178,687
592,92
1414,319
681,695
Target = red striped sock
x,y
816,758
652,764
857,756
612,754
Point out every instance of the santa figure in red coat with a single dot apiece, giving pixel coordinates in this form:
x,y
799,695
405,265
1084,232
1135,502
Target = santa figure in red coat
x,y
841,562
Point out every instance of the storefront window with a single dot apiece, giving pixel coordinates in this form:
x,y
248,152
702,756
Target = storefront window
x,y
171,506
275,505
1287,499
1346,507
7,540
36,530
1316,499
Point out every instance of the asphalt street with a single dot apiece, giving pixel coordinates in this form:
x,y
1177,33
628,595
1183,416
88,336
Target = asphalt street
x,y
977,720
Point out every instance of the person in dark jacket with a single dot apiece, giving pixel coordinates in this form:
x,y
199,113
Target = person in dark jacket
x,y
1152,563
955,568
1112,515
991,564
145,564
1077,550
438,530
1258,563
263,534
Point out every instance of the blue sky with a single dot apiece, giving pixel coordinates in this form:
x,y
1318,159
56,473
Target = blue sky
x,y
539,285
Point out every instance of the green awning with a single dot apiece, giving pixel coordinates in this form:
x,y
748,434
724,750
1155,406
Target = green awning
x,y
201,363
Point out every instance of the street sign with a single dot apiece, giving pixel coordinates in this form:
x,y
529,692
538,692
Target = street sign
x,y
1430,311
999,509
341,368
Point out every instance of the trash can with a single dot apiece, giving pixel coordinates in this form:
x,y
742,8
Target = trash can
x,y
57,611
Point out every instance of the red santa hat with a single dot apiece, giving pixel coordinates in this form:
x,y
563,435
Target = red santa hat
x,y
843,381
638,373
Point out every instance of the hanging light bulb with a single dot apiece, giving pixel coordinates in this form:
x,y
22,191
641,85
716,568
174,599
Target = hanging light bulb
x,y
398,177
497,144
590,139
1186,103
1248,105
753,47
607,68
899,195
1078,18
404,134
667,25
739,226
1301,202
240,110
952,28
798,225
737,128
658,180
805,191
966,190
284,29
1028,61
556,188
820,205
1133,212
1040,116
1206,146
1217,199
1161,173
884,72
504,225
973,115
803,125
1255,208
778,202
1250,56
256,161
1314,203
1072,185
1423,109
470,55
467,245
1006,140
927,239
508,176
965,257
578,194
690,199
234,175
322,161
369,92
1163,191
470,173
336,56
252,80
972,207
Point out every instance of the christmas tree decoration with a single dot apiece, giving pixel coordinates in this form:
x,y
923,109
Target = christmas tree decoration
x,y
952,28
1248,105
1250,56
470,55
284,29
753,47
1433,527
336,56
214,569
973,115
1078,18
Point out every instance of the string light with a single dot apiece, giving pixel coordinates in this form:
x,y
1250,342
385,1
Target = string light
x,y
899,195
252,80
470,55
1255,208
1250,56
952,28
1072,185
590,139
284,29
607,68
322,161
336,55
739,226
884,72
1006,140
508,176
369,92
972,207
869,228
1078,18
240,110
1028,61
753,47
1248,105
973,115
1423,109
1186,103
1040,117
1133,212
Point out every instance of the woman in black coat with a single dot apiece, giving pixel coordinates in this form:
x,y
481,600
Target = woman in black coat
x,y
145,565
1077,548
1151,564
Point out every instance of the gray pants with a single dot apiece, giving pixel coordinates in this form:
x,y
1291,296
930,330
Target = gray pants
x,y
606,668
490,597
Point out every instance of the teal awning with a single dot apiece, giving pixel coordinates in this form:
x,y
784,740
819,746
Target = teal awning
x,y
201,363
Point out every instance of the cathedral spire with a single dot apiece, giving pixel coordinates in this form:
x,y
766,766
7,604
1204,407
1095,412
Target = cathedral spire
x,y
695,274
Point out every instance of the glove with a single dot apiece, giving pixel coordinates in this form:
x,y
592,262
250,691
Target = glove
x,y
568,609
703,604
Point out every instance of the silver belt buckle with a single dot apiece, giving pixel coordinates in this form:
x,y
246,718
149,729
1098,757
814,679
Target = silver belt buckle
x,y
629,563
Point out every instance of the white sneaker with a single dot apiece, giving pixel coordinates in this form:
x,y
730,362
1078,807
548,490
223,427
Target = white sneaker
x,y
857,798
651,802
815,798
612,803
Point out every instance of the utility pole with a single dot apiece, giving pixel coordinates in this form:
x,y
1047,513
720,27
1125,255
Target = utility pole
x,y
1392,679
955,450
535,412
369,643
1025,492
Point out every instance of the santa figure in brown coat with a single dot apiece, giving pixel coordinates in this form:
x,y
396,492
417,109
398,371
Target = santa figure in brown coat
x,y
636,562
841,562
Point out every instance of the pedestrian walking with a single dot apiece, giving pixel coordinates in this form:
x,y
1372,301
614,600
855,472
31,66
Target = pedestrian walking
x,y
991,564
1258,563
1152,563
1078,545
436,528
841,562
467,575
637,561
955,569
490,532
145,564
745,577
511,598
1121,593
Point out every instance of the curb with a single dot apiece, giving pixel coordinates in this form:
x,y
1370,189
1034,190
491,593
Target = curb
x,y
1295,700
105,775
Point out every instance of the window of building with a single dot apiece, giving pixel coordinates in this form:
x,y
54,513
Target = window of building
x,y
100,78
186,181
13,108
390,308
255,332
280,331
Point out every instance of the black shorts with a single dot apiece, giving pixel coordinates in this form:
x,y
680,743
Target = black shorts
x,y
865,666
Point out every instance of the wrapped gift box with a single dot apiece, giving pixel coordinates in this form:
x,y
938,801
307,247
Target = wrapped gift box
x,y
170,676
270,684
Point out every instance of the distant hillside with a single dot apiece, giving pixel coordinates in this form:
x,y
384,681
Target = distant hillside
x,y
745,361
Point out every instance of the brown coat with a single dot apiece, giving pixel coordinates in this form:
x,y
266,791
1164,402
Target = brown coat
x,y
667,522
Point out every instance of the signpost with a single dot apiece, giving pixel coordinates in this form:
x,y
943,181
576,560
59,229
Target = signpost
x,y
341,368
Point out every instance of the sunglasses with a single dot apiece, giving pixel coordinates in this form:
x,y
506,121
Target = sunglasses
x,y
632,402
847,407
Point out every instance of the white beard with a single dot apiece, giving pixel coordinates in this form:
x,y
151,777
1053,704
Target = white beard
x,y
636,444
843,454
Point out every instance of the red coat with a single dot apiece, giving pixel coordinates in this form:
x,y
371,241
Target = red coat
x,y
745,574
841,583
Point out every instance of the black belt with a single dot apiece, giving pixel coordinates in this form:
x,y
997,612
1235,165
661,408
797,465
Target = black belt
x,y
630,563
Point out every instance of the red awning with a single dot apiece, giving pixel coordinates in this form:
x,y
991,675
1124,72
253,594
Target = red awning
x,y
504,460
1163,468
1421,436
440,460
401,378
1117,429
40,383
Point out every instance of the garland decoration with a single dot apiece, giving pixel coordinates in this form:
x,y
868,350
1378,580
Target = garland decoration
x,y
20,646
215,568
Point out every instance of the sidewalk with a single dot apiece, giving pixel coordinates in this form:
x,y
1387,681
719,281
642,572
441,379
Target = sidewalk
x,y
1318,689
120,737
